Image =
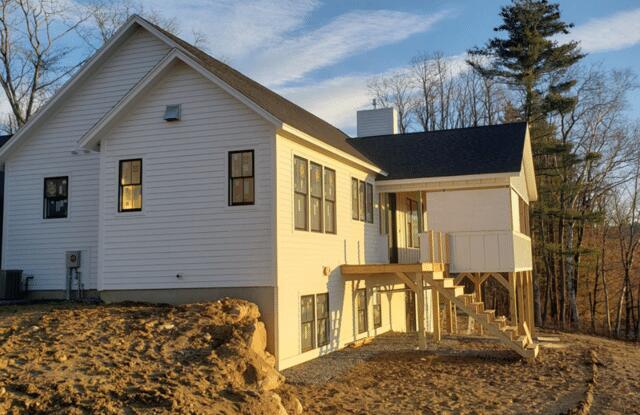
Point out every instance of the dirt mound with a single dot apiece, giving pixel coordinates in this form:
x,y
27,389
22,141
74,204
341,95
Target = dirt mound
x,y
135,358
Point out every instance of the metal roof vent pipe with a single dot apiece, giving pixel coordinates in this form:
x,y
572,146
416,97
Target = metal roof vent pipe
x,y
378,121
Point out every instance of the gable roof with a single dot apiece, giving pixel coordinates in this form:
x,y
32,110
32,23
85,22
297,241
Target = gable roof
x,y
280,108
465,151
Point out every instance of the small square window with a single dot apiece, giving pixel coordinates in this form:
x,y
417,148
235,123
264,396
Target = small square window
x,y
172,112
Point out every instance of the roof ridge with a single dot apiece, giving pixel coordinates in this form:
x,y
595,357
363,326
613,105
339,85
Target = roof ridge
x,y
446,130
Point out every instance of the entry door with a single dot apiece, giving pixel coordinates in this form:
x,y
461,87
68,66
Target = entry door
x,y
410,307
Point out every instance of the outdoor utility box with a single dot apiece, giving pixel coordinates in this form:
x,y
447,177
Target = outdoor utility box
x,y
10,284
73,259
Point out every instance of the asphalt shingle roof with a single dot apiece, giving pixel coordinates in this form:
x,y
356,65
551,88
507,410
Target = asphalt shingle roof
x,y
464,151
278,106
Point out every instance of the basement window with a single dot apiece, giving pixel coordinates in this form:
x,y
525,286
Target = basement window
x,y
361,310
377,308
322,318
307,329
56,197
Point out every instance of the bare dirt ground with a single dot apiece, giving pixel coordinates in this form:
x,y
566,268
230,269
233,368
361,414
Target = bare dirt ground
x,y
467,375
136,359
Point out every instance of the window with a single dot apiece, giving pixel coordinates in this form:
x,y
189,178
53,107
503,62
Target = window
x,y
361,201
56,197
322,319
355,213
314,320
413,241
383,201
361,310
315,184
300,192
329,201
314,196
241,178
369,203
130,183
377,308
525,226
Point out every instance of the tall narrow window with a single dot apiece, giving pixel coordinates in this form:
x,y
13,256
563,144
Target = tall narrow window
x,y
361,310
322,319
130,197
369,203
241,178
307,329
413,241
301,191
315,184
377,308
329,201
361,201
56,197
355,210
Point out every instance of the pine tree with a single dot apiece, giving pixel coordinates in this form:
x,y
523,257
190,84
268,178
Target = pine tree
x,y
532,62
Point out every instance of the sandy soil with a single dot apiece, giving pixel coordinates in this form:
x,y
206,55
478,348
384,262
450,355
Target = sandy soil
x,y
129,359
471,376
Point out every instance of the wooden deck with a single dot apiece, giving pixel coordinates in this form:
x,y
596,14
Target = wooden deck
x,y
372,269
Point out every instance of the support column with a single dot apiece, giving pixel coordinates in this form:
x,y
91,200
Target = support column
x,y
437,330
451,317
513,310
422,340
521,305
532,318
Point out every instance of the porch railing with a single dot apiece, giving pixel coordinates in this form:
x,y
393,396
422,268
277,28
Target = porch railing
x,y
434,247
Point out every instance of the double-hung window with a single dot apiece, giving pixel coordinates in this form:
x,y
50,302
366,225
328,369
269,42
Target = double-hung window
x,y
383,200
329,200
130,186
307,321
525,226
241,178
301,191
361,310
314,321
377,308
315,185
56,197
314,196
361,201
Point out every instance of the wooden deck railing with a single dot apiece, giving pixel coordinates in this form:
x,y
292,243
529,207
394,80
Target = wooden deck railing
x,y
434,247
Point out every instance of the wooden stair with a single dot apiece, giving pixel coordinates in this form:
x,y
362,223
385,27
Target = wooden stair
x,y
494,325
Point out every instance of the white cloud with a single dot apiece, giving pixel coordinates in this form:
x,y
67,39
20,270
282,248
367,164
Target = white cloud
x,y
349,34
614,32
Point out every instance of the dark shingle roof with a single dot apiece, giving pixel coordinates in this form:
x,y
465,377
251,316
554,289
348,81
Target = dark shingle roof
x,y
278,106
476,150
4,139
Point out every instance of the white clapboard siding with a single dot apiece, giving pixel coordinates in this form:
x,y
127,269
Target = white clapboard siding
x,y
303,255
186,226
36,245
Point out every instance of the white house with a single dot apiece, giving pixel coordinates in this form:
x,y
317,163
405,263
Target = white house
x,y
179,179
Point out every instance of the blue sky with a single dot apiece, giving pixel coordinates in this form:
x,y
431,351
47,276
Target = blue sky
x,y
320,54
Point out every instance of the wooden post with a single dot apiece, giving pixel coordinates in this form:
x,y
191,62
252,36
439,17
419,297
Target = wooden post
x,y
451,317
532,317
521,305
422,340
435,297
512,299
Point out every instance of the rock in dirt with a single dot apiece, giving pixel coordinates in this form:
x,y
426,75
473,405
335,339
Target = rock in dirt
x,y
139,358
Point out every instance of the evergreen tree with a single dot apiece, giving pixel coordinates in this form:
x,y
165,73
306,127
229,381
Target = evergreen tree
x,y
532,62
